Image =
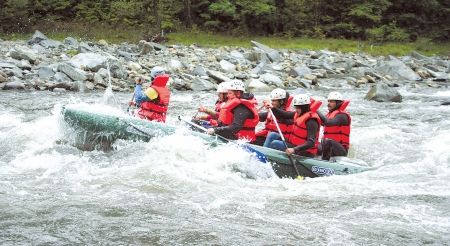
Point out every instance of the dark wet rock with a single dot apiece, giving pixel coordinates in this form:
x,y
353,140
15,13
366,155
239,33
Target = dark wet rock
x,y
383,93
37,38
445,103
73,73
23,53
14,85
89,61
397,70
45,72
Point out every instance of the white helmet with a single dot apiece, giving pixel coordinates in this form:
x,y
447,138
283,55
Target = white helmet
x,y
236,85
334,95
278,94
223,87
301,99
156,71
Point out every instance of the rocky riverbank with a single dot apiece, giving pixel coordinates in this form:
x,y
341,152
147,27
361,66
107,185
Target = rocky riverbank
x,y
72,65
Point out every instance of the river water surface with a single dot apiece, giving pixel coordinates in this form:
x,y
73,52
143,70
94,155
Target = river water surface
x,y
177,190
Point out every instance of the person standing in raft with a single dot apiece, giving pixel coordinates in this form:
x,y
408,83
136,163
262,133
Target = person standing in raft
x,y
154,101
281,100
336,132
238,116
304,138
211,116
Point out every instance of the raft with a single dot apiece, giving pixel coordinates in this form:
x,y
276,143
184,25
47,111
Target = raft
x,y
100,125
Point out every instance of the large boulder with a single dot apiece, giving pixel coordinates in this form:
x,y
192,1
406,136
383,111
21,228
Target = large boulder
x,y
45,72
383,93
61,77
218,76
227,66
199,84
37,38
272,54
14,85
117,69
272,79
255,85
300,71
23,53
89,61
396,69
73,73
49,44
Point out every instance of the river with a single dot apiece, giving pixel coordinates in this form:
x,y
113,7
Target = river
x,y
176,190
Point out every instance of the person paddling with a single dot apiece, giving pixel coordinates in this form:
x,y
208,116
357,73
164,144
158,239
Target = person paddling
x,y
238,116
337,122
211,116
154,101
281,100
304,138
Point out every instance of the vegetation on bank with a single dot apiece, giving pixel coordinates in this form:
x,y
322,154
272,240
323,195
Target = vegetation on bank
x,y
203,39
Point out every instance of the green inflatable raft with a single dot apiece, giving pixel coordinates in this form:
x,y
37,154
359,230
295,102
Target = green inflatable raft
x,y
104,127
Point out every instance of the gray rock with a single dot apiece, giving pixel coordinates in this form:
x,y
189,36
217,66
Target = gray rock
x,y
103,72
260,68
59,90
88,61
419,56
24,65
272,79
255,85
37,38
237,55
73,73
61,77
14,85
45,72
157,46
70,41
198,84
128,56
300,71
39,49
84,48
445,103
134,66
397,70
178,84
117,69
98,80
199,71
383,93
227,67
272,54
218,76
3,77
254,55
175,65
23,53
7,65
48,43
145,47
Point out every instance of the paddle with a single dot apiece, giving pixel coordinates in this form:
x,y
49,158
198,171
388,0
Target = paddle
x,y
285,144
132,98
261,157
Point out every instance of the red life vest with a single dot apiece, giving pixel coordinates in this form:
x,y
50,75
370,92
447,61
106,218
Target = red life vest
x,y
155,110
270,125
299,132
248,129
340,134
217,108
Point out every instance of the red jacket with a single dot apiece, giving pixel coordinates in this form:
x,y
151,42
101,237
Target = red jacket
x,y
270,123
155,110
339,134
226,117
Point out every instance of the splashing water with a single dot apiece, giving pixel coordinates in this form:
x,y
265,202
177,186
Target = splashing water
x,y
179,190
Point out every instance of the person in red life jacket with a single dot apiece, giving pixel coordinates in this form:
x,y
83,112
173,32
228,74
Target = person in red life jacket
x,y
153,102
281,100
336,133
213,115
238,116
304,138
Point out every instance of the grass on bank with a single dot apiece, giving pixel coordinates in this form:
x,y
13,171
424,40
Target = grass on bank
x,y
130,35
